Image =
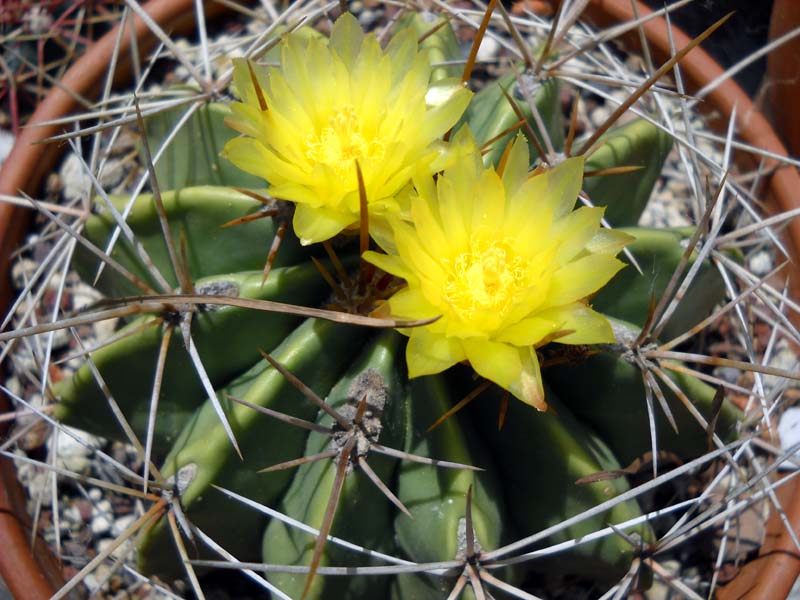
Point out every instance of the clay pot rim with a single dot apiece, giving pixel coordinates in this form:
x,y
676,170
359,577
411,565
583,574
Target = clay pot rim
x,y
27,165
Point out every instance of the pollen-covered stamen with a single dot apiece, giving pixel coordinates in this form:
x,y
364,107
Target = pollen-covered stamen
x,y
342,142
488,277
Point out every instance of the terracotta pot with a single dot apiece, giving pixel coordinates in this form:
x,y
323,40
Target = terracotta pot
x,y
35,575
783,73
31,576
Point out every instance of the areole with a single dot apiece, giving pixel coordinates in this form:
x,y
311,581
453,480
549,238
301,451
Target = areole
x,y
36,575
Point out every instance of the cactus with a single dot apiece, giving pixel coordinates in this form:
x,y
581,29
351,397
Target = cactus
x,y
256,339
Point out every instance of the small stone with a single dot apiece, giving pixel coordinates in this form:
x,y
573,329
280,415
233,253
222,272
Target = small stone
x,y
368,17
104,545
729,374
122,523
785,358
600,114
37,20
488,50
101,573
36,481
6,143
100,525
21,271
789,430
72,514
77,183
120,552
103,507
74,451
761,263
114,173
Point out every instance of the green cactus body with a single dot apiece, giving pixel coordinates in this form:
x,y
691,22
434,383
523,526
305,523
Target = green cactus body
x,y
637,143
658,251
540,456
192,157
607,393
316,352
195,216
415,587
363,514
489,113
436,497
227,339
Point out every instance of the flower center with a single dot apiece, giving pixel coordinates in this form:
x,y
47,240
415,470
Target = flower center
x,y
486,279
341,143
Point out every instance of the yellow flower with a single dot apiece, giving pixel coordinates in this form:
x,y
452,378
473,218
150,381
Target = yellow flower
x,y
331,104
507,264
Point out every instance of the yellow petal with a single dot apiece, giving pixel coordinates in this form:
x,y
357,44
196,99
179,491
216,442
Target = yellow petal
x,y
394,184
520,223
317,224
563,185
389,264
530,331
575,230
462,148
454,195
253,157
529,387
382,233
429,227
402,49
243,81
410,303
428,353
588,325
370,84
608,241
412,251
441,118
490,203
246,119
580,278
495,361
289,107
442,91
295,58
517,164
346,38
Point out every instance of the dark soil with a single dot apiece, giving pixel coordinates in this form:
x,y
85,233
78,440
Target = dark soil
x,y
743,34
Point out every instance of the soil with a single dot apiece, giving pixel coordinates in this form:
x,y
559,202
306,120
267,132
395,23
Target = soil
x,y
743,34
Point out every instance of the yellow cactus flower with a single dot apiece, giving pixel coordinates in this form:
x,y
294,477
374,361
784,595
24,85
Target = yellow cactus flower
x,y
507,264
332,104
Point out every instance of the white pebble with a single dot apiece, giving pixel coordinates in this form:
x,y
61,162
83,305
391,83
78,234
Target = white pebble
x,y
122,523
74,455
72,514
488,49
599,115
6,143
77,182
761,263
103,507
100,525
